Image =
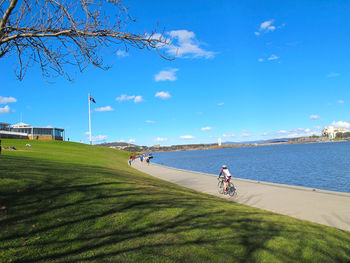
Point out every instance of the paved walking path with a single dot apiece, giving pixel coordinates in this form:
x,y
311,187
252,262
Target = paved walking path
x,y
323,207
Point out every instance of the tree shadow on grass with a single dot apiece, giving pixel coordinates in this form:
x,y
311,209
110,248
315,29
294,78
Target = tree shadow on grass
x,y
74,213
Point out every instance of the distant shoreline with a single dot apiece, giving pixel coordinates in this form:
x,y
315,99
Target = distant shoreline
x,y
192,147
245,145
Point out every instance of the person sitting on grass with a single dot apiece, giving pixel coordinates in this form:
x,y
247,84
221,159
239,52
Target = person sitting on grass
x,y
226,174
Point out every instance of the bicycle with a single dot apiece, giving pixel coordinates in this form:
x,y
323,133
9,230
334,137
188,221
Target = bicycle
x,y
230,188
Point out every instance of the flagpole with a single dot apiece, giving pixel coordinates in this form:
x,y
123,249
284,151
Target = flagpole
x,y
89,119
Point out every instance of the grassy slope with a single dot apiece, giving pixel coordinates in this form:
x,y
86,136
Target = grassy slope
x,y
69,202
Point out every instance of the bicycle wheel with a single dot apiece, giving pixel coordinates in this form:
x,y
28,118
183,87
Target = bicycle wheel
x,y
232,189
221,186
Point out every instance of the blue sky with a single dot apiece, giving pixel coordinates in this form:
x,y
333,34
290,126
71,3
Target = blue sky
x,y
245,70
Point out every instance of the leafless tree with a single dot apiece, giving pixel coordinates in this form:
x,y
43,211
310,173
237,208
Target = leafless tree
x,y
57,34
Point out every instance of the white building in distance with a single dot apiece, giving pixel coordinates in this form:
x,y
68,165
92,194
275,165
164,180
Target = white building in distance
x,y
219,141
25,131
331,131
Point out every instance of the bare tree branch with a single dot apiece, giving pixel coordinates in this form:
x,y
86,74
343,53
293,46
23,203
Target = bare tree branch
x,y
7,13
58,34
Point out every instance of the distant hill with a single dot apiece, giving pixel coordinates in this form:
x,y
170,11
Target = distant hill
x,y
117,144
136,148
184,147
187,147
259,141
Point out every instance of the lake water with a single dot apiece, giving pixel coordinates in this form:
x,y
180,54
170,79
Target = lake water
x,y
317,165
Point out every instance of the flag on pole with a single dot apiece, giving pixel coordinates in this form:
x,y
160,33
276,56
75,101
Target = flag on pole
x,y
92,99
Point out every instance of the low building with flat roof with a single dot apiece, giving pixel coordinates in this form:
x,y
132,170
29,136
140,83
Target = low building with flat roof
x,y
25,131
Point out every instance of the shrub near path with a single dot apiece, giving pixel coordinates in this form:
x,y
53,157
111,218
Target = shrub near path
x,y
69,202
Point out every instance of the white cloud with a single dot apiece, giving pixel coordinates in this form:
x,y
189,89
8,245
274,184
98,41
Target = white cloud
x,y
87,133
4,100
121,53
125,97
246,135
314,117
229,135
340,101
221,103
149,121
267,25
260,59
212,136
164,75
131,140
273,57
341,124
107,108
266,133
207,128
159,139
121,140
5,110
317,127
163,95
187,137
332,75
293,133
99,138
138,99
296,130
300,132
184,44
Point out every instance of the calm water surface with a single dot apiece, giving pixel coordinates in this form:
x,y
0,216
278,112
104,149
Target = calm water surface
x,y
317,165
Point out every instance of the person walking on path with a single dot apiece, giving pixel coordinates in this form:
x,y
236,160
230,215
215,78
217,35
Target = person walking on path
x,y
226,174
130,160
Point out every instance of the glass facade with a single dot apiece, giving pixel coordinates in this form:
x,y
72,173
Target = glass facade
x,y
23,130
40,131
59,133
4,126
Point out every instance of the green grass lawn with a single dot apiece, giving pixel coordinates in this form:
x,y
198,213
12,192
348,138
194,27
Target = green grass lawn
x,y
69,202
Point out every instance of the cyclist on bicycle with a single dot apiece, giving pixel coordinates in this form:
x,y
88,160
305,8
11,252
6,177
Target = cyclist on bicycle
x,y
226,174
